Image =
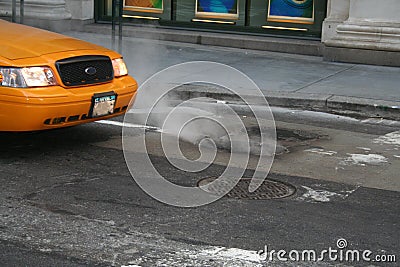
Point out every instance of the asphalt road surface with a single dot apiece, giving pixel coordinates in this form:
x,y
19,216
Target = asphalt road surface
x,y
68,199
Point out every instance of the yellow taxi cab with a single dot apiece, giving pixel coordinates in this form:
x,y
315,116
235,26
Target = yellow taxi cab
x,y
48,80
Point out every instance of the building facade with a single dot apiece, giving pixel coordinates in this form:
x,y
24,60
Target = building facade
x,y
359,31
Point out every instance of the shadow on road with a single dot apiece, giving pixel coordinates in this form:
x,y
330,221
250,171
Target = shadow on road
x,y
33,143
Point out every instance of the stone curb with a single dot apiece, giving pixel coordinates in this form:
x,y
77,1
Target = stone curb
x,y
342,105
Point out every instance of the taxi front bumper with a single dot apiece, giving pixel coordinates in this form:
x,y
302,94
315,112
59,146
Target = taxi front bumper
x,y
33,109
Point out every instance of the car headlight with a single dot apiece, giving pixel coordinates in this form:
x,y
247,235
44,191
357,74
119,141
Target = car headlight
x,y
27,77
119,66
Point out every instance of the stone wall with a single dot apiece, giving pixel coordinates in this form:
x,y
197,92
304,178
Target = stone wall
x,y
363,31
55,15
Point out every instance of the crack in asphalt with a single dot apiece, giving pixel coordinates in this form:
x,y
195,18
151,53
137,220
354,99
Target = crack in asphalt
x,y
75,181
114,201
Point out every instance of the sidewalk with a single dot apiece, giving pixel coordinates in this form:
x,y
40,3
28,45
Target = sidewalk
x,y
289,80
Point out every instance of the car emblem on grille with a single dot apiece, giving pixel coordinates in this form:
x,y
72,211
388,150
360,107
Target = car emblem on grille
x,y
90,70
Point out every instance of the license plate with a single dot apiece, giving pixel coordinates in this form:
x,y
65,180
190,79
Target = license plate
x,y
103,104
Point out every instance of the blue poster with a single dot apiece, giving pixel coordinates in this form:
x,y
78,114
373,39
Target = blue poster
x,y
217,8
296,11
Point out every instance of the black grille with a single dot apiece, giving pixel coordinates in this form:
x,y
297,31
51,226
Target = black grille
x,y
83,70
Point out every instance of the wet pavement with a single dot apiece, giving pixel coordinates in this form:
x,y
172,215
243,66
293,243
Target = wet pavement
x,y
68,194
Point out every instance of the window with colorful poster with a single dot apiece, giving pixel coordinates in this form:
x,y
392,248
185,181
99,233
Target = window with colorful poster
x,y
152,6
294,11
223,9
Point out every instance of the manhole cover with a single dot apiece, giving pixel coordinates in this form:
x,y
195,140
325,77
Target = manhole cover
x,y
269,189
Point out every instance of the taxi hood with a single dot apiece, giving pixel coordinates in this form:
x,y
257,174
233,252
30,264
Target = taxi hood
x,y
19,41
